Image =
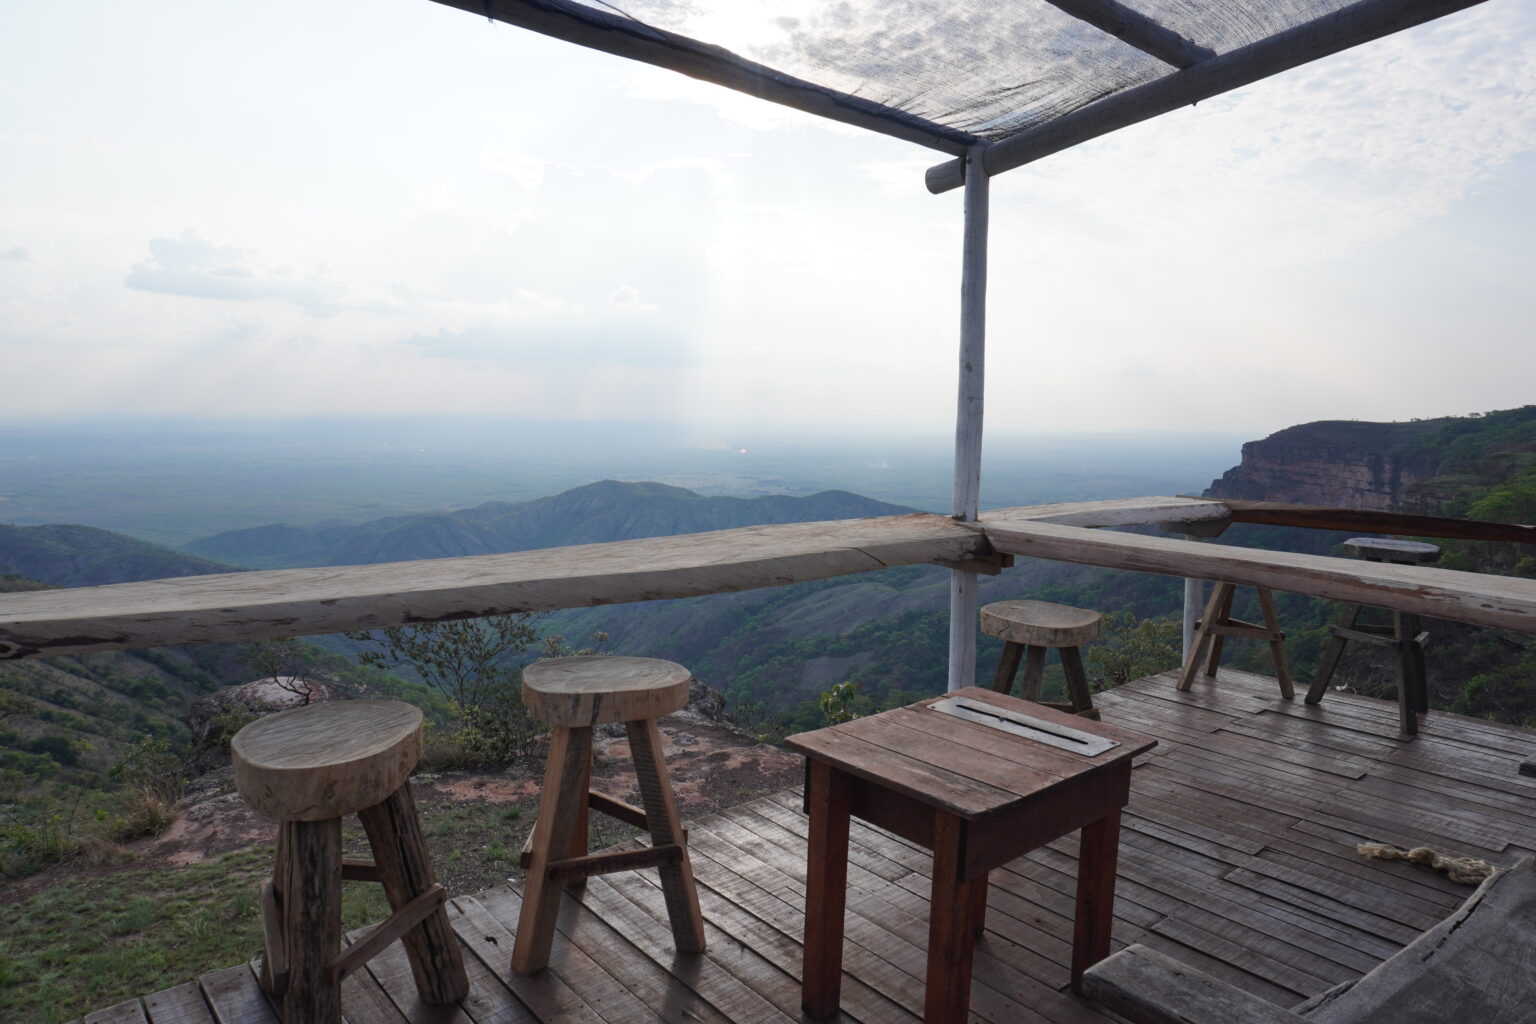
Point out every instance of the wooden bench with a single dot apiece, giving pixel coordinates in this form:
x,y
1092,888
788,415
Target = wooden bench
x,y
1475,966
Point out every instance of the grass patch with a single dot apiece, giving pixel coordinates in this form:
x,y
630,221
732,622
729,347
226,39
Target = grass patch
x,y
88,943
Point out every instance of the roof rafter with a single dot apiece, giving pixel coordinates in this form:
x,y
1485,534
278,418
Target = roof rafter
x,y
1359,23
625,37
1136,29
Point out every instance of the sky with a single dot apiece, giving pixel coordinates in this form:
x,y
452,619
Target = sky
x,y
360,207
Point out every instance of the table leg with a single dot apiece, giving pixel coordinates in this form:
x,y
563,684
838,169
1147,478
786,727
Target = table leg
x,y
979,908
826,890
951,934
1099,848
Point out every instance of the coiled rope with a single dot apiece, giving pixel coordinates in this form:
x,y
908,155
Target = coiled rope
x,y
1465,870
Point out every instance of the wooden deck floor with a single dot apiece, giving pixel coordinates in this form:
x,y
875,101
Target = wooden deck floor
x,y
1237,856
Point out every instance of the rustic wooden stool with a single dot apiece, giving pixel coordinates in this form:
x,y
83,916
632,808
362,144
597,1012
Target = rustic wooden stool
x,y
1029,629
572,695
308,767
1403,634
1217,623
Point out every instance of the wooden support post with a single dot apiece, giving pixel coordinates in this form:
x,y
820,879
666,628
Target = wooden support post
x,y
405,868
968,414
1194,596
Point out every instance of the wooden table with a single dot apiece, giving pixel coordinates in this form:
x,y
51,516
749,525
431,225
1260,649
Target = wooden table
x,y
978,797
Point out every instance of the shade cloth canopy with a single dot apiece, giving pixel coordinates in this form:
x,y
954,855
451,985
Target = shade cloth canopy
x,y
1024,78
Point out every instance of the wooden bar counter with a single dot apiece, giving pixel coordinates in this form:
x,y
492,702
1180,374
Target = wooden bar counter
x,y
979,778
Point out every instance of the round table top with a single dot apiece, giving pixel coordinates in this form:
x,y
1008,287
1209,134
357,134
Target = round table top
x,y
596,689
326,760
1391,549
1039,623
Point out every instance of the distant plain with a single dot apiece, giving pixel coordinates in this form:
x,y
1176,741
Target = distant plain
x,y
171,482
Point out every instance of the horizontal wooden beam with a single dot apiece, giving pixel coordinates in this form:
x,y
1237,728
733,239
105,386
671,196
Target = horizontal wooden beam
x,y
296,602
1502,601
625,37
1114,512
1396,524
1358,23
1136,29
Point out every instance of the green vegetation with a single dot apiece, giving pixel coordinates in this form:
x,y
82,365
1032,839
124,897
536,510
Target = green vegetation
x,y
85,943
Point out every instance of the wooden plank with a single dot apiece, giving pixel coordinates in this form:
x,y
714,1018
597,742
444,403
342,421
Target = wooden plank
x,y
602,966
235,998
293,602
1339,30
1147,986
545,995
1504,601
183,1004
1114,512
129,1011
727,993
898,773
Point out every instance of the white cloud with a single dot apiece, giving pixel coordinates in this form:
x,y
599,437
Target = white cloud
x,y
16,253
192,266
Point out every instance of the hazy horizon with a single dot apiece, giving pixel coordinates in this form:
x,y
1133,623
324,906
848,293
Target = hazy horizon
x,y
175,481
368,207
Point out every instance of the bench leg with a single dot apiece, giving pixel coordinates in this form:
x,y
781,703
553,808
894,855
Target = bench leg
x,y
1276,647
1331,655
1227,592
1203,638
405,869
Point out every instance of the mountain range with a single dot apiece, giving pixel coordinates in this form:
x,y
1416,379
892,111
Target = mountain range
x,y
604,511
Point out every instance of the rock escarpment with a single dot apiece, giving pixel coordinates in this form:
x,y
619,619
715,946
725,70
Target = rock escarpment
x,y
1340,463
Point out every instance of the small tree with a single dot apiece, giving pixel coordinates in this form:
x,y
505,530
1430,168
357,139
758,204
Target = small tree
x,y
285,661
471,662
1130,648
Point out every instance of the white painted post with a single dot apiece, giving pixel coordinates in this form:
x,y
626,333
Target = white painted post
x,y
973,335
1194,601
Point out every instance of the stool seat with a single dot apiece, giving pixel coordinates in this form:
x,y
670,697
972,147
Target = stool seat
x,y
326,760
1040,623
1390,549
596,690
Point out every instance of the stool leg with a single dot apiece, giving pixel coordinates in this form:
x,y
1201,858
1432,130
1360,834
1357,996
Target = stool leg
x,y
1007,667
405,869
309,879
665,827
580,840
1276,647
1077,682
561,802
1411,626
1034,672
1331,656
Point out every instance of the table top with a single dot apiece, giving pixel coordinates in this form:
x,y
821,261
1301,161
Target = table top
x,y
963,766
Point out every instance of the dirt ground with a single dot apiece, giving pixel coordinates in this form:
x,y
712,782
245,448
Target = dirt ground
x,y
475,822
